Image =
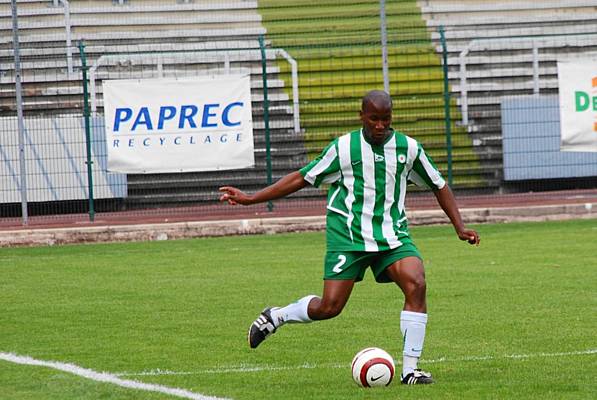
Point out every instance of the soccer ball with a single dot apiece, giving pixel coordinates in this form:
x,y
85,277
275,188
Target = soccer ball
x,y
372,367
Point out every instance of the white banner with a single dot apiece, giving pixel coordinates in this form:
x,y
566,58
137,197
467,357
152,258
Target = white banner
x,y
578,104
179,125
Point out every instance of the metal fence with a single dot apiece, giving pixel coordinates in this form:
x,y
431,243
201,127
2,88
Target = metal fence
x,y
451,70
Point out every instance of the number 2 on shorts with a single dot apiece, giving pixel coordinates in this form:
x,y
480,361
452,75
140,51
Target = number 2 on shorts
x,y
338,267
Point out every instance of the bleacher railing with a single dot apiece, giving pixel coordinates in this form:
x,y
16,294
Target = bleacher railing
x,y
509,44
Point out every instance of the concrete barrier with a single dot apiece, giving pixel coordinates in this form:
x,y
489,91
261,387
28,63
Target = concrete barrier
x,y
180,230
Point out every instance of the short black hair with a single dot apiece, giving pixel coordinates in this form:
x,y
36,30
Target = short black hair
x,y
377,97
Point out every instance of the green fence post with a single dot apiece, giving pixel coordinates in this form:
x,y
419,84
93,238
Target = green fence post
x,y
447,118
268,155
86,115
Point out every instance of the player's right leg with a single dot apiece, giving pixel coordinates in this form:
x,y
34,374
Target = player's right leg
x,y
307,309
335,296
341,271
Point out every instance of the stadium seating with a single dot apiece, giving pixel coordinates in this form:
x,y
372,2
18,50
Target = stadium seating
x,y
491,54
339,58
206,36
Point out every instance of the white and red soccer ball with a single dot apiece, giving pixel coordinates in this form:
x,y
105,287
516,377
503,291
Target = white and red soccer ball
x,y
372,367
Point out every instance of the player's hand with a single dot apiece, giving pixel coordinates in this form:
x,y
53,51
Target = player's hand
x,y
234,196
470,236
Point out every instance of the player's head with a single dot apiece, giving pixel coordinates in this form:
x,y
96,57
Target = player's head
x,y
376,116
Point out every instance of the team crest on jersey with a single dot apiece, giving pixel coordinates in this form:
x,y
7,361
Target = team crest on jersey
x,y
401,158
379,158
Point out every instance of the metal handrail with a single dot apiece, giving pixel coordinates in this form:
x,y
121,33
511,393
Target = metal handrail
x,y
67,26
535,43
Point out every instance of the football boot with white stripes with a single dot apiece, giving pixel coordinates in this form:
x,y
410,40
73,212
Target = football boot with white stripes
x,y
261,328
417,377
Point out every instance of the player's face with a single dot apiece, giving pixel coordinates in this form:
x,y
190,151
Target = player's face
x,y
376,122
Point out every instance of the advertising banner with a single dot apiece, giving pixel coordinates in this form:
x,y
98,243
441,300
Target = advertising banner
x,y
179,125
578,104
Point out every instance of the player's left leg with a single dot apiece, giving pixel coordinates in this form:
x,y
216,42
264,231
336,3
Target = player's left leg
x,y
409,274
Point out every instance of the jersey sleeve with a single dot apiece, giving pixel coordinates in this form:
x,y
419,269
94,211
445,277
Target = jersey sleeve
x,y
424,173
325,168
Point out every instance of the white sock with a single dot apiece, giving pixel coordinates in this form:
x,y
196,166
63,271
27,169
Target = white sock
x,y
412,325
295,312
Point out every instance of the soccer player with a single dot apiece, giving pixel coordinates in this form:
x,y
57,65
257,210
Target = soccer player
x,y
368,170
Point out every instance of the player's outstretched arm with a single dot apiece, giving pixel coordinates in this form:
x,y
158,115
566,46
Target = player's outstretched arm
x,y
447,202
288,184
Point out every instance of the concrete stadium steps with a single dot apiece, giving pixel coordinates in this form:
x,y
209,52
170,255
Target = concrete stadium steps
x,y
452,10
401,75
343,61
45,105
176,189
461,37
47,74
211,35
493,71
300,18
510,23
430,133
198,181
337,49
44,92
507,6
356,37
346,118
137,28
119,37
44,17
146,21
497,37
503,12
163,190
158,200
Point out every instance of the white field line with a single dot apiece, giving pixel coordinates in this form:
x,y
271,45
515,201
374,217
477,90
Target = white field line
x,y
259,368
105,377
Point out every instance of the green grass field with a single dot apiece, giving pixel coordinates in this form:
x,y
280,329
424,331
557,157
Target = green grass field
x,y
512,319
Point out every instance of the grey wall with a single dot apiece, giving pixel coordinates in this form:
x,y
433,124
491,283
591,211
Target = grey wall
x,y
531,142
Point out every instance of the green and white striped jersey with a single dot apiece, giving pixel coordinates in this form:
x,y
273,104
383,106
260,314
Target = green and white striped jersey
x,y
365,210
